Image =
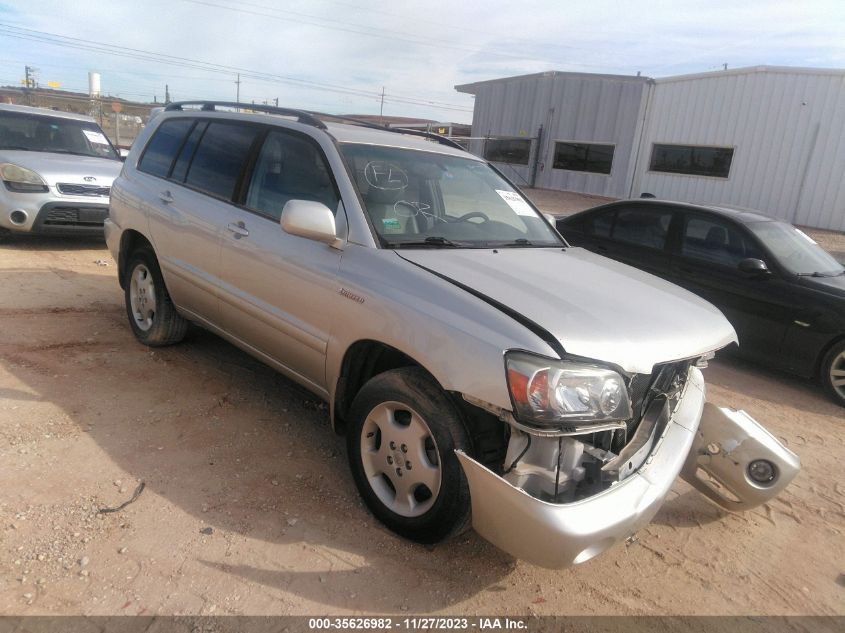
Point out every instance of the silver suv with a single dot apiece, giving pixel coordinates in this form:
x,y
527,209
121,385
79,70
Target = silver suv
x,y
481,369
57,169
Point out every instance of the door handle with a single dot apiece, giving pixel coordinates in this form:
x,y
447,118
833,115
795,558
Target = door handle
x,y
601,247
238,229
166,197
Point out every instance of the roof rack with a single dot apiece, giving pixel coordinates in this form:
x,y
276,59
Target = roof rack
x,y
399,130
302,116
310,118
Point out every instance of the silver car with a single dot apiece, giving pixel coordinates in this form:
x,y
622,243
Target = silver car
x,y
57,169
482,371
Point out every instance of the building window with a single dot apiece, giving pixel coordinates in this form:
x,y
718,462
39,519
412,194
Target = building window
x,y
508,150
692,160
592,157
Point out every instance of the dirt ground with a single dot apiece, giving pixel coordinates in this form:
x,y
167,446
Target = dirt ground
x,y
249,508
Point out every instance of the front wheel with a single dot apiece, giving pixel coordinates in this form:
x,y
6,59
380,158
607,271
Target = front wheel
x,y
152,315
833,373
401,446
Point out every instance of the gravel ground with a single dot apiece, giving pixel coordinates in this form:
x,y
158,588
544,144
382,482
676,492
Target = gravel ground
x,y
249,509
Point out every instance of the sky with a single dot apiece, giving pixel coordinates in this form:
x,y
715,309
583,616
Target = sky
x,y
338,55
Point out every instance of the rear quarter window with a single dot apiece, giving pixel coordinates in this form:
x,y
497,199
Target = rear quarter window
x,y
161,150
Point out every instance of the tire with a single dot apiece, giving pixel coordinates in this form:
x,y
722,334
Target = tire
x,y
152,315
408,408
832,373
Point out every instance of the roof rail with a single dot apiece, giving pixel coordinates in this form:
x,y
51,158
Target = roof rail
x,y
443,140
399,130
311,118
302,116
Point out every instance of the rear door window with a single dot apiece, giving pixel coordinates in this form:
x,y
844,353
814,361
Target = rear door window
x,y
220,158
643,227
716,241
161,150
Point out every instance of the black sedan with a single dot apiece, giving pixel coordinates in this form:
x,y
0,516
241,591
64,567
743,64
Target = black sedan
x,y
783,293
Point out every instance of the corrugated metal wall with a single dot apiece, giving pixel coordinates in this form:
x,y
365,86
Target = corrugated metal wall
x,y
570,107
788,131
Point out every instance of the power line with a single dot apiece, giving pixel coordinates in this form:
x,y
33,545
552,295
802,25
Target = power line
x,y
402,36
12,31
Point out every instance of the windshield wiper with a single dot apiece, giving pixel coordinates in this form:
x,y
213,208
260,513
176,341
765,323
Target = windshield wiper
x,y
818,274
519,242
436,241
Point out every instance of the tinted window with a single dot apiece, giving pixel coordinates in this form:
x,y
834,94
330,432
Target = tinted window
x,y
187,153
712,240
696,161
289,168
509,150
220,158
161,150
589,157
601,223
643,227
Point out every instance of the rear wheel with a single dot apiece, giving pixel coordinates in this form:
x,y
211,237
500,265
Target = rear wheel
x,y
401,446
152,315
833,373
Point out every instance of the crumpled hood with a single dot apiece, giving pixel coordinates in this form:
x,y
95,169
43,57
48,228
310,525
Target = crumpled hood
x,y
55,168
597,308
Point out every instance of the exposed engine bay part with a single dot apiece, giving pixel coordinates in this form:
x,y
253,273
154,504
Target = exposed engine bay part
x,y
601,513
736,462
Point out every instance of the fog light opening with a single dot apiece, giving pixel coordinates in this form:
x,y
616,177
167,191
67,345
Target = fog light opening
x,y
593,551
18,217
762,472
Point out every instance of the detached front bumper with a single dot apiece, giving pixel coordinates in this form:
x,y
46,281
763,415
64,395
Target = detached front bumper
x,y
560,535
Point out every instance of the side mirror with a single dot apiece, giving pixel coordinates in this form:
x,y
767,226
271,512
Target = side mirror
x,y
552,219
756,267
311,220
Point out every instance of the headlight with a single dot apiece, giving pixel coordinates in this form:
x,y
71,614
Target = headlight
x,y
548,391
21,179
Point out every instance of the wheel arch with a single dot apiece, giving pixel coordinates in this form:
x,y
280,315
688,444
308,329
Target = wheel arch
x,y
130,240
367,358
363,360
824,352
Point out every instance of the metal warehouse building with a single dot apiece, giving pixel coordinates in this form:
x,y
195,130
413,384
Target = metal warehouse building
x,y
768,138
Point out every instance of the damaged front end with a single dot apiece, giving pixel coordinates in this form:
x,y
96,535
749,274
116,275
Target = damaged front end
x,y
567,492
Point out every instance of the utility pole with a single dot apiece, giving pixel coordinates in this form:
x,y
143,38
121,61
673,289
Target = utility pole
x,y
277,101
381,109
29,83
238,91
166,94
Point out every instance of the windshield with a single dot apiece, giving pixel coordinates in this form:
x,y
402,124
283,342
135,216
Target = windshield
x,y
795,250
39,133
418,199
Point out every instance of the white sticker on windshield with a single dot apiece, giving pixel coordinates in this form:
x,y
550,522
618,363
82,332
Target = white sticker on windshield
x,y
516,202
805,236
95,137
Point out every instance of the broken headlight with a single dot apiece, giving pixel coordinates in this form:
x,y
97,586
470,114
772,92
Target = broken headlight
x,y
548,391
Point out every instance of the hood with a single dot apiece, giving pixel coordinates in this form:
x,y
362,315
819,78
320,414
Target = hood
x,y
55,168
597,308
